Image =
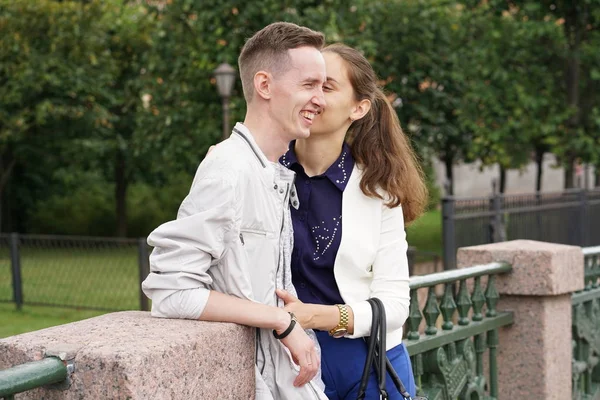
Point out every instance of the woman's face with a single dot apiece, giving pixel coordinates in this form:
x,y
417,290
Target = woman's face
x,y
339,97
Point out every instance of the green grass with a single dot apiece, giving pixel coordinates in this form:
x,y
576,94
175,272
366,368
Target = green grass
x,y
76,277
32,318
426,233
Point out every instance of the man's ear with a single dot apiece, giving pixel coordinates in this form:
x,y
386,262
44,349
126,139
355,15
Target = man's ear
x,y
262,84
360,109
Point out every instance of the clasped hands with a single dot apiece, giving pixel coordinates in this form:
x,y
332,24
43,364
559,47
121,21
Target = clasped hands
x,y
304,312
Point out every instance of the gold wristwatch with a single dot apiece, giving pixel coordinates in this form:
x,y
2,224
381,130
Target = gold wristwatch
x,y
342,327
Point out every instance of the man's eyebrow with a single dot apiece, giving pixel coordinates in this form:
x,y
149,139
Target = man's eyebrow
x,y
311,80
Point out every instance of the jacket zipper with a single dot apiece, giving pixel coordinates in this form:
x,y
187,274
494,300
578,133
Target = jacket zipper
x,y
281,261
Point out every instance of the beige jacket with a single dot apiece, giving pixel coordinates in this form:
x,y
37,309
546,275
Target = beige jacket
x,y
232,234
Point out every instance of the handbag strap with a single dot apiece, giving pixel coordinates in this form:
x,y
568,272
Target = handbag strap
x,y
371,343
377,357
381,356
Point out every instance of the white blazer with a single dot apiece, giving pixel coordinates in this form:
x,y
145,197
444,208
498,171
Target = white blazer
x,y
372,260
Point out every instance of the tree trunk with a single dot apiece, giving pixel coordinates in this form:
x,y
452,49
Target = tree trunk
x,y
2,205
6,169
569,174
448,162
539,161
121,194
573,32
502,179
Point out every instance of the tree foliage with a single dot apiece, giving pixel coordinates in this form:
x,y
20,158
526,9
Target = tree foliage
x,y
105,102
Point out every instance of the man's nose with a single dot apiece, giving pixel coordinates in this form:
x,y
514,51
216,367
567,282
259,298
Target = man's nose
x,y
319,98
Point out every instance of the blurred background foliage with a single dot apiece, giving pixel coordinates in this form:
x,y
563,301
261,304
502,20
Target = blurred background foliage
x,y
108,106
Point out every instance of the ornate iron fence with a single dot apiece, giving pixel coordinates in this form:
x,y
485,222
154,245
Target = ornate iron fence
x,y
586,330
447,353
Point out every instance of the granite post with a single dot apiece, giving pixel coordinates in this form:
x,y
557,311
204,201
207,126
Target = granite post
x,y
535,353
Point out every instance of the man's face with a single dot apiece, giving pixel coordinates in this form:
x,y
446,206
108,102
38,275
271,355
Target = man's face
x,y
297,95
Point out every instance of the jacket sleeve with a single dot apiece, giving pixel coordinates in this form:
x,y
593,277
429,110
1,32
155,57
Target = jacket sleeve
x,y
390,276
185,248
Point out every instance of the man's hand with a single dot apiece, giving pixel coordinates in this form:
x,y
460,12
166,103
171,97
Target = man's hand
x,y
304,354
303,312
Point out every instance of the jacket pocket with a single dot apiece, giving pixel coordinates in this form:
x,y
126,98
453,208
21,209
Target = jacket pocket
x,y
255,242
252,232
261,250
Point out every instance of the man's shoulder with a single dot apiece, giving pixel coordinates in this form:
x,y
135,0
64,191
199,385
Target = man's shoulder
x,y
228,160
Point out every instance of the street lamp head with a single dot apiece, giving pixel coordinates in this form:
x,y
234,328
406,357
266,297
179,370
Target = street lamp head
x,y
225,75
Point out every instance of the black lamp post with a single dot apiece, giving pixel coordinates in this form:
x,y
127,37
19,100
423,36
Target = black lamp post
x,y
225,75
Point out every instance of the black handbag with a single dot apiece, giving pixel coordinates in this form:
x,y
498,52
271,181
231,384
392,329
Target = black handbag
x,y
377,358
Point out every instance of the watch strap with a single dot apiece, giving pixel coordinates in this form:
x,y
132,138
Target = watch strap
x,y
344,319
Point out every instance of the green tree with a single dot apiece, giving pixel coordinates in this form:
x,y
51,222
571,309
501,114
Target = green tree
x,y
51,78
580,22
513,103
420,56
129,30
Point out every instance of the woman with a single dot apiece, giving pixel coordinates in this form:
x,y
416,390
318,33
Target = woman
x,y
358,182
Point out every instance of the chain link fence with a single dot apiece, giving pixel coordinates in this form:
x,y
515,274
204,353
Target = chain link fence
x,y
75,272
91,273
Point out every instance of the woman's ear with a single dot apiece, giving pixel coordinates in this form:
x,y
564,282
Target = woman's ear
x,y
262,84
360,110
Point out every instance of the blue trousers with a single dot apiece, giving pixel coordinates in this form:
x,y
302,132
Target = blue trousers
x,y
342,363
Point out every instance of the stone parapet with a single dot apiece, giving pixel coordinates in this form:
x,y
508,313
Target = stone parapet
x,y
130,355
539,268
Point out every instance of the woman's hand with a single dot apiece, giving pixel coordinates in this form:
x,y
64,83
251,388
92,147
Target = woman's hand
x,y
314,316
303,312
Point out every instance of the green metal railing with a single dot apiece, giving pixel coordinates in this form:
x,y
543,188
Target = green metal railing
x,y
591,257
35,374
586,330
448,362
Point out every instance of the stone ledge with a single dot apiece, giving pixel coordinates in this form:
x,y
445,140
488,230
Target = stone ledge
x,y
539,268
132,355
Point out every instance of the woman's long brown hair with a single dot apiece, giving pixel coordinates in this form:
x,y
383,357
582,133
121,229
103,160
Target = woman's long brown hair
x,y
379,145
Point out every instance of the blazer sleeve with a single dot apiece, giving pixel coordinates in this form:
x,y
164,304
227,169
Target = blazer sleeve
x,y
185,248
390,276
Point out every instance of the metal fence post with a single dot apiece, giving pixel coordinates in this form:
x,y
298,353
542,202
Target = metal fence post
x,y
15,260
583,218
448,233
411,255
499,229
144,270
496,231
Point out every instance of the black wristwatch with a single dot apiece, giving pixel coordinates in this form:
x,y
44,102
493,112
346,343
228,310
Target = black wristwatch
x,y
289,329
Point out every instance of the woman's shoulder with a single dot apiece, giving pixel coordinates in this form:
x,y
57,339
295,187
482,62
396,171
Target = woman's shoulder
x,y
383,197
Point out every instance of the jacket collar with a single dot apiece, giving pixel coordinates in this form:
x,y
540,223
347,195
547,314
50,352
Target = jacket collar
x,y
338,172
240,130
275,174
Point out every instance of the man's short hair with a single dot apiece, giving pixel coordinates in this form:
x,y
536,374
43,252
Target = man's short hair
x,y
267,50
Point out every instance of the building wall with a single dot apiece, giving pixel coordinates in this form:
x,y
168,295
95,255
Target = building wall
x,y
470,180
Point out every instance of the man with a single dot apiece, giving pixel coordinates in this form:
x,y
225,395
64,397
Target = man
x,y
229,248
